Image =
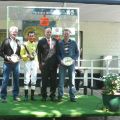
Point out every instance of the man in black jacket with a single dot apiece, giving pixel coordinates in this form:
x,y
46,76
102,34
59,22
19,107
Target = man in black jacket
x,y
48,63
10,51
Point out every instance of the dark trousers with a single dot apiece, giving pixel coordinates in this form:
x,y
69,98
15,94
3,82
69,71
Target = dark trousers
x,y
49,77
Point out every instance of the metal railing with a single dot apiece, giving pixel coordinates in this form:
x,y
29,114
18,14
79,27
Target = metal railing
x,y
91,68
85,69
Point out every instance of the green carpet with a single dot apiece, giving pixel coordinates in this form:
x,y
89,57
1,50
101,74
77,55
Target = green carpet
x,y
85,106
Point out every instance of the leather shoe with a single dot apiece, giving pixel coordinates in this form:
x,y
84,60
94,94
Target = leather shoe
x,y
26,98
33,98
44,99
73,100
59,99
53,99
3,100
17,99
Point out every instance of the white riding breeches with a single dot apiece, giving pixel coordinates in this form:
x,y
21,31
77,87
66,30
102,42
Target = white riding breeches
x,y
30,72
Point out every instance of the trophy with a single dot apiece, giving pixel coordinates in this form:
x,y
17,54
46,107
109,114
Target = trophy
x,y
14,58
67,61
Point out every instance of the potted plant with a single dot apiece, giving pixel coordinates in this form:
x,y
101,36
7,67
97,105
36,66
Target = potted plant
x,y
111,92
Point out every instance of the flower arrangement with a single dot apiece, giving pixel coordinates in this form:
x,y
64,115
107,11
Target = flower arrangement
x,y
111,84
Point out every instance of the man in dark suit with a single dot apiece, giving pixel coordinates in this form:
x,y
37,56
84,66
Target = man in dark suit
x,y
48,64
10,51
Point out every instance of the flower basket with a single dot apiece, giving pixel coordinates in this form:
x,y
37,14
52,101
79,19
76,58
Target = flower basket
x,y
111,92
111,102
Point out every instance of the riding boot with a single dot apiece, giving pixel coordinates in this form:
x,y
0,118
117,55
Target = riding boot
x,y
32,95
26,95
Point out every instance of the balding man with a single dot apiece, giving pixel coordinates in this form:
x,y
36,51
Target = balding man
x,y
48,63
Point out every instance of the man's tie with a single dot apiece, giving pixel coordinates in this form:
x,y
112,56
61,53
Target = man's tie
x,y
48,42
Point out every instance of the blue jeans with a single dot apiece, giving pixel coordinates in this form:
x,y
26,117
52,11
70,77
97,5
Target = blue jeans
x,y
71,81
7,69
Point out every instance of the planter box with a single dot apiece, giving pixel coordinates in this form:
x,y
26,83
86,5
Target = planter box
x,y
111,102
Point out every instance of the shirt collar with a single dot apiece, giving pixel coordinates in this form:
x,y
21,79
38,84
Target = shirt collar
x,y
67,41
49,39
12,39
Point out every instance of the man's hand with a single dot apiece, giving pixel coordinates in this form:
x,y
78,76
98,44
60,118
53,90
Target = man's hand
x,y
30,57
41,66
8,58
73,62
62,63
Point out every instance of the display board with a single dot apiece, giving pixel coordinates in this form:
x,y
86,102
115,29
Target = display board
x,y
38,18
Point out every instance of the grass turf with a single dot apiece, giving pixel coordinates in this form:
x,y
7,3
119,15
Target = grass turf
x,y
85,106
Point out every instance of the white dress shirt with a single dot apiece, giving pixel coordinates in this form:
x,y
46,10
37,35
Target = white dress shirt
x,y
13,45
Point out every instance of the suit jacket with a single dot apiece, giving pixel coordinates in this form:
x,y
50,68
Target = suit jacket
x,y
45,54
6,50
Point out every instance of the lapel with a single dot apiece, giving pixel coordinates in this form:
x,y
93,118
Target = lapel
x,y
10,45
46,42
17,47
